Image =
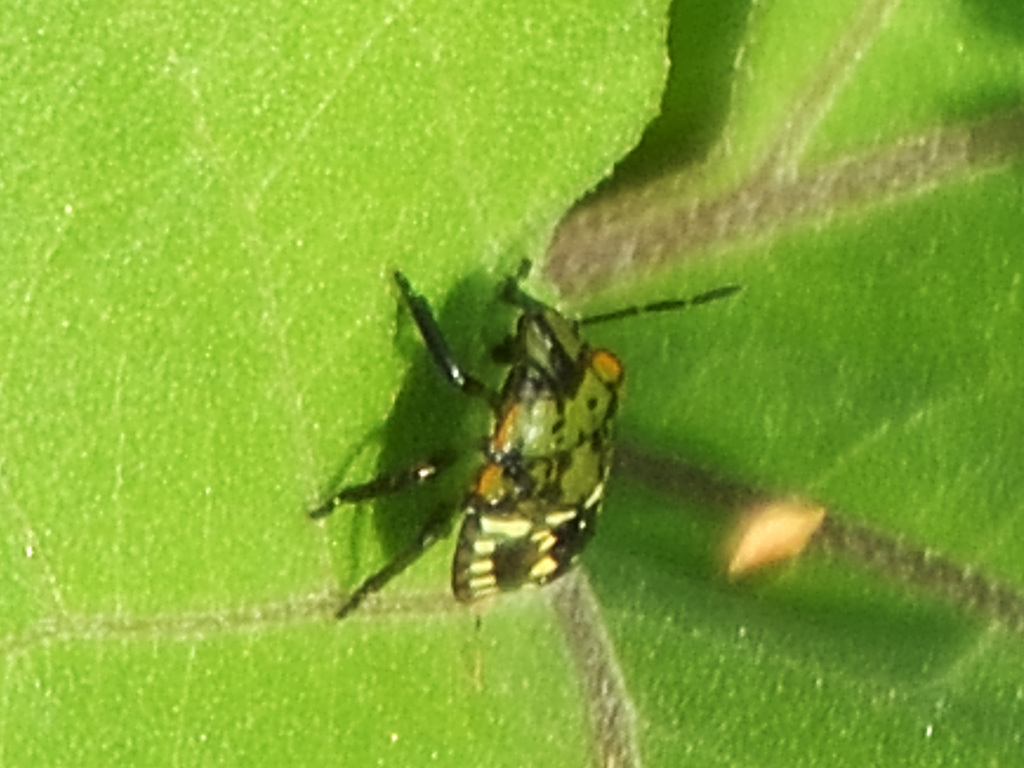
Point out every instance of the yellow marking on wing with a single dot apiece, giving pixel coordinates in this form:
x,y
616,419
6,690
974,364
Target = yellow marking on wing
x,y
543,568
484,547
514,529
544,540
481,583
595,496
559,517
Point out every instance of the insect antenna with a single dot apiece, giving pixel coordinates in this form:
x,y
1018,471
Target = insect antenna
x,y
663,306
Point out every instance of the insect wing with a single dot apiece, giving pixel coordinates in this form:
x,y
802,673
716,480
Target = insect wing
x,y
504,550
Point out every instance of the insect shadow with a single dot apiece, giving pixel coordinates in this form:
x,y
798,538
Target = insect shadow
x,y
431,422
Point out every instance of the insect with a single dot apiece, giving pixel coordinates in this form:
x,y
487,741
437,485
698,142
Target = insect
x,y
534,503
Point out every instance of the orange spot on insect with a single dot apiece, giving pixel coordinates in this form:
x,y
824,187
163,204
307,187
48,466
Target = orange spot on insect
x,y
772,532
607,365
490,482
501,434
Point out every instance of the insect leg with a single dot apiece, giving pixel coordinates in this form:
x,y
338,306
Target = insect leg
x,y
437,527
512,294
386,484
436,343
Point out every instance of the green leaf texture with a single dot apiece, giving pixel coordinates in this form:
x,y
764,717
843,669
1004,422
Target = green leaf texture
x,y
200,209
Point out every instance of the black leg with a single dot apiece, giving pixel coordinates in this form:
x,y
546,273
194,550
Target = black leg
x,y
436,528
437,345
512,294
386,484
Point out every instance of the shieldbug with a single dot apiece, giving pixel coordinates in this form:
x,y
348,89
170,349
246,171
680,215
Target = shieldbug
x,y
534,503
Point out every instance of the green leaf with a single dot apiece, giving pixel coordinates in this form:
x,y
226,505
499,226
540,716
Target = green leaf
x,y
200,212
201,206
867,193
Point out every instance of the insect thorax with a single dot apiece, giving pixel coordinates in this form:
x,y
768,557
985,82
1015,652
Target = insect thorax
x,y
535,502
